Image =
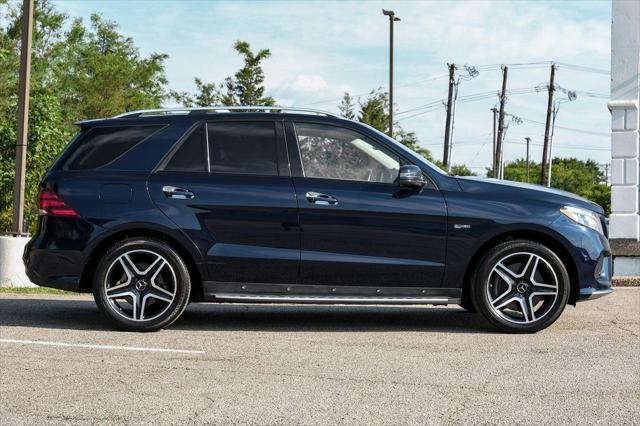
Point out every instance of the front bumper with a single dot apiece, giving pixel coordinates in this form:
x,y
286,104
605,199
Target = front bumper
x,y
592,257
590,294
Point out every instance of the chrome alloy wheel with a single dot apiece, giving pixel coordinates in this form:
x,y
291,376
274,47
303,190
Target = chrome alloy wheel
x,y
140,285
522,288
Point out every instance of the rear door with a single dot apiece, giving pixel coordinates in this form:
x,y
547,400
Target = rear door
x,y
228,186
358,227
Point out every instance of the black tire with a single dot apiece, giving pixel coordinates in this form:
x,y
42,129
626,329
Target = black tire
x,y
540,293
164,293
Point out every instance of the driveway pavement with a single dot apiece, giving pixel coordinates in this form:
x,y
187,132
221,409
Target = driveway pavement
x,y
60,362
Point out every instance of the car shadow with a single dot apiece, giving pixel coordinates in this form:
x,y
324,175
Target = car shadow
x,y
76,314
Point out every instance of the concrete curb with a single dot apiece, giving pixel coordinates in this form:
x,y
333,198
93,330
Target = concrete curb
x,y
626,281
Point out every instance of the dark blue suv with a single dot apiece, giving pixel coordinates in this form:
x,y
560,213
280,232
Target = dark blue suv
x,y
151,210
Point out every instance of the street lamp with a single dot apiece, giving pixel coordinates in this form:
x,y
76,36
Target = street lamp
x,y
392,18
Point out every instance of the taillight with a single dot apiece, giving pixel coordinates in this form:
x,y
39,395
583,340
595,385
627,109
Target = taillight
x,y
50,204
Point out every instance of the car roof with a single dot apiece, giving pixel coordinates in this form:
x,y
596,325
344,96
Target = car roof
x,y
172,115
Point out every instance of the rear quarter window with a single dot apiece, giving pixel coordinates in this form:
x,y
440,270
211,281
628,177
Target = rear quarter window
x,y
100,146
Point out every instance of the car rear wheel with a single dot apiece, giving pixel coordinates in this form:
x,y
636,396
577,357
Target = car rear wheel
x,y
521,286
141,284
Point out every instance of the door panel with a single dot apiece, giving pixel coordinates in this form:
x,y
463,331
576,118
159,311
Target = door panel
x,y
376,234
244,218
358,227
247,226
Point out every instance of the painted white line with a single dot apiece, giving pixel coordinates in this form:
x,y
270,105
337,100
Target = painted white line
x,y
107,347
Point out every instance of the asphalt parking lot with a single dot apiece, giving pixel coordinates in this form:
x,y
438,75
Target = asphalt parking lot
x,y
61,363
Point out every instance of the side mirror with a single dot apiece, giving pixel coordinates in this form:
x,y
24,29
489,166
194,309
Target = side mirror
x,y
411,176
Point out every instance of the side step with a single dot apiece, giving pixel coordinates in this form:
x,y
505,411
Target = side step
x,y
362,300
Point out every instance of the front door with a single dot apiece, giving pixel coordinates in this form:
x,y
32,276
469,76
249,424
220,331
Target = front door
x,y
228,186
358,227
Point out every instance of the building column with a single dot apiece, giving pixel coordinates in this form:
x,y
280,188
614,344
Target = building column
x,y
624,225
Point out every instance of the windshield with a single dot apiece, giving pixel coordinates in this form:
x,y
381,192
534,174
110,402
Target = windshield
x,y
405,149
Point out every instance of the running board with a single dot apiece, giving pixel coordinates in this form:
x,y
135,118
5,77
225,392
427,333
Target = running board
x,y
362,300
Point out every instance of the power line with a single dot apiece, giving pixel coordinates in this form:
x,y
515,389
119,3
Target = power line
x,y
570,129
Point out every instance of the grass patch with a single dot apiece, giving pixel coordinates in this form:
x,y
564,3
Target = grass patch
x,y
34,290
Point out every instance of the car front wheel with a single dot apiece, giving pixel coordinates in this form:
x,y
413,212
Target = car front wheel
x,y
141,284
521,286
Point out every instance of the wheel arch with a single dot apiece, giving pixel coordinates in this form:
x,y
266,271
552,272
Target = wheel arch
x,y
86,279
552,241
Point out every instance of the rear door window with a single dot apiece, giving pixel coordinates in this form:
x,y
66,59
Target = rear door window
x,y
191,154
103,145
243,147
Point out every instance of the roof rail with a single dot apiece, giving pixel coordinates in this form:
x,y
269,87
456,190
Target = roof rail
x,y
214,109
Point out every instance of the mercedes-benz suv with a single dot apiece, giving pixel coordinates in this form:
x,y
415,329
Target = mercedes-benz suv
x,y
151,210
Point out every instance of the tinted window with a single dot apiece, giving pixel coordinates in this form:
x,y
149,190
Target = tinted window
x,y
243,147
101,145
190,156
332,152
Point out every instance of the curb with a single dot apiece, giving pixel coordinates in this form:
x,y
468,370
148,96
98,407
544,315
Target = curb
x,y
629,281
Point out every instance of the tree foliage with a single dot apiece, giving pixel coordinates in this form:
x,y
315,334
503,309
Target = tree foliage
x,y
347,107
584,178
245,87
207,94
78,72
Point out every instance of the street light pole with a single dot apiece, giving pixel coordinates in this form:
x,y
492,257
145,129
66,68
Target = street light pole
x,y
528,140
392,19
22,117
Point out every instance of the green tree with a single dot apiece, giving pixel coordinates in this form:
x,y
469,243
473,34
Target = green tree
x,y
461,170
584,178
207,94
78,72
374,110
347,107
246,87
109,74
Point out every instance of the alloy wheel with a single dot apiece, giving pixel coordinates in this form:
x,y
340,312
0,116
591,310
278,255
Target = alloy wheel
x,y
140,285
522,288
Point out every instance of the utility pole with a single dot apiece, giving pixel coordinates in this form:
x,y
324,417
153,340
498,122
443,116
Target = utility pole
x,y
547,129
447,129
528,139
22,117
494,110
499,137
392,19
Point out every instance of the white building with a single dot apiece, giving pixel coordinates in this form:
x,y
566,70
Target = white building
x,y
624,228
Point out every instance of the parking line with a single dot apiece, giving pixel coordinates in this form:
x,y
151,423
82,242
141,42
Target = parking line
x,y
107,347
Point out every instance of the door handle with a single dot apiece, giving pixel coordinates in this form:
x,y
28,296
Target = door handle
x,y
179,193
321,199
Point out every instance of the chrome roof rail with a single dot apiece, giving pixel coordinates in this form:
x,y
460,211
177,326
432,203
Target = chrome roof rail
x,y
214,109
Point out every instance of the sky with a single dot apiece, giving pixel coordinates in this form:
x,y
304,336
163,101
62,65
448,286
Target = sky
x,y
320,49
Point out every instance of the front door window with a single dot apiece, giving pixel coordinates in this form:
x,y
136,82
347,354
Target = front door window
x,y
332,152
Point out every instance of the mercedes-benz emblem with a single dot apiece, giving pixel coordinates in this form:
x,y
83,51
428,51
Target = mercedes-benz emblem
x,y
141,285
522,287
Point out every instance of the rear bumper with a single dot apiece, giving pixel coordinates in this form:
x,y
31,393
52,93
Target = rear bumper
x,y
54,257
39,264
67,283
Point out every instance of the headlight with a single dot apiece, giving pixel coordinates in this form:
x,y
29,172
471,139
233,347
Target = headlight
x,y
583,217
